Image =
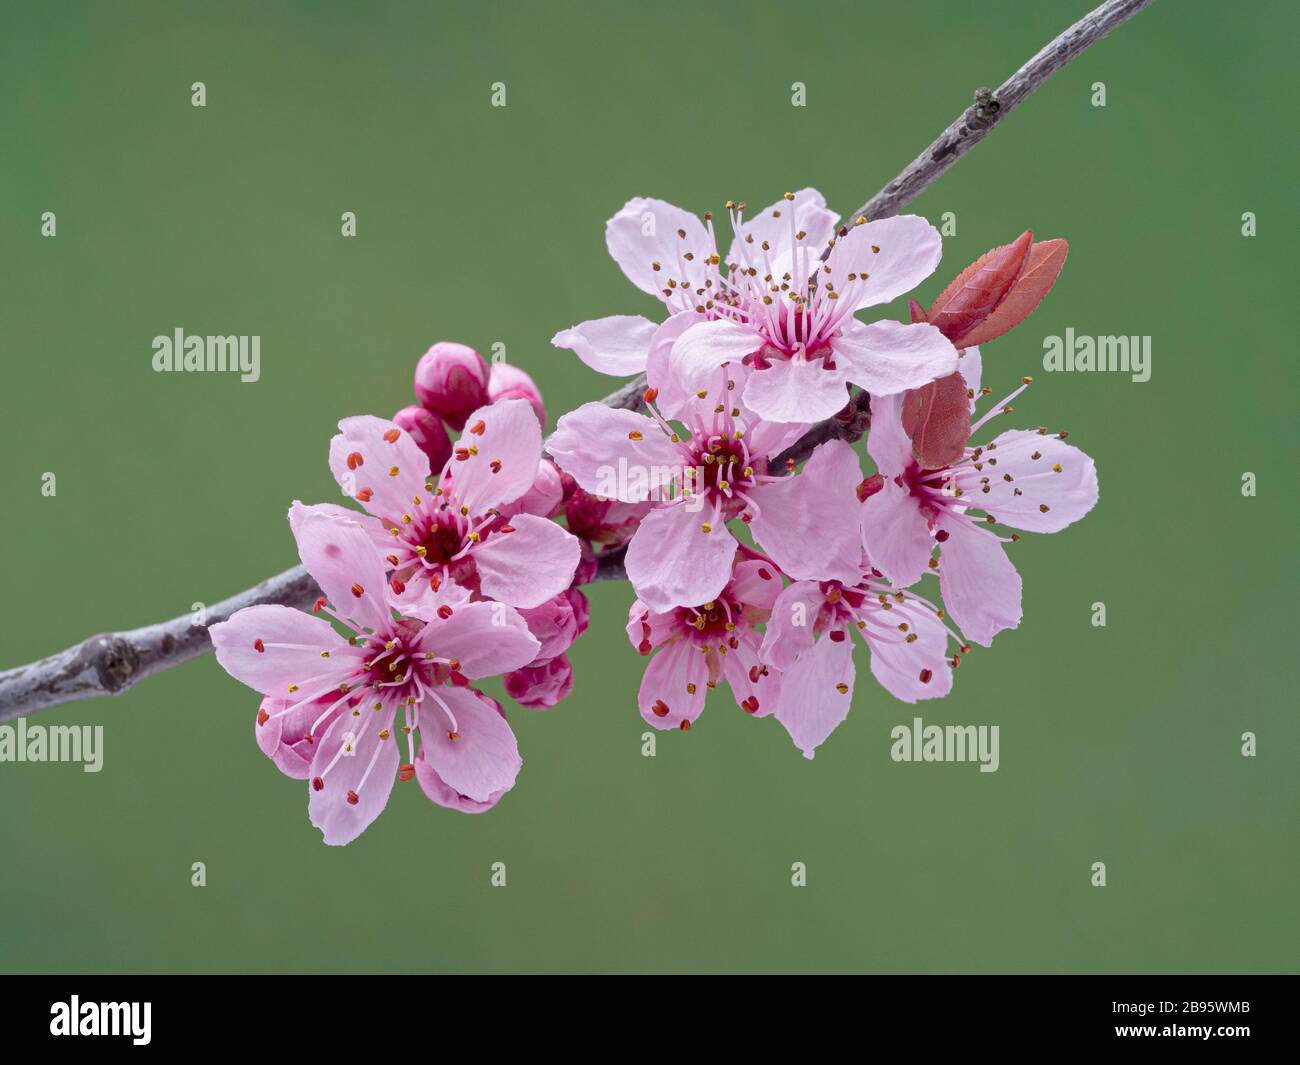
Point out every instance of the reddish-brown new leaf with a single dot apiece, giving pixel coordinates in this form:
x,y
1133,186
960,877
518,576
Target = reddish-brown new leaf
x,y
976,292
937,419
1035,281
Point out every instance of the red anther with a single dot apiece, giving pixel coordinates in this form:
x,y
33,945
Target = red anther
x,y
790,465
353,798
435,582
765,573
644,647
444,611
318,606
454,663
398,585
356,459
358,591
660,708
837,636
393,435
259,646
750,705
462,453
453,736
317,784
925,676
406,772
506,528
754,674
686,726
651,394
262,716
495,465
392,560
365,495
478,427
941,535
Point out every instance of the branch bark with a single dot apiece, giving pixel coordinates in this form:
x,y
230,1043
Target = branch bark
x,y
110,663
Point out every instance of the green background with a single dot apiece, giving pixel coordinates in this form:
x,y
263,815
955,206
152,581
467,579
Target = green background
x,y
1118,744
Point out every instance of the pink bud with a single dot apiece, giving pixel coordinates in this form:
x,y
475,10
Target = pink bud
x,y
451,380
429,434
541,687
557,623
545,498
510,382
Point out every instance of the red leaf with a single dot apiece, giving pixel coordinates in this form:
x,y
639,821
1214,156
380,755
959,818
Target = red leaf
x,y
977,290
1035,281
937,418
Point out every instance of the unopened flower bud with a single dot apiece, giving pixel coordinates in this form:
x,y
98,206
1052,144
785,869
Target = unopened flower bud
x,y
451,381
429,434
541,687
510,382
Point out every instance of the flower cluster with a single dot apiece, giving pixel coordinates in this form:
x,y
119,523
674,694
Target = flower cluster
x,y
750,565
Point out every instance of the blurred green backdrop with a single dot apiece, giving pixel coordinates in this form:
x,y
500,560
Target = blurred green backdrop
x,y
1118,744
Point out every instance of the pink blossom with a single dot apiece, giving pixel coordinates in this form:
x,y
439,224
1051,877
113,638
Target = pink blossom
x,y
359,685
714,470
451,380
557,623
454,531
808,638
777,308
1025,478
693,648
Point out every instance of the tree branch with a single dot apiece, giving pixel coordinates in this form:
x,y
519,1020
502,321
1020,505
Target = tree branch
x,y
110,663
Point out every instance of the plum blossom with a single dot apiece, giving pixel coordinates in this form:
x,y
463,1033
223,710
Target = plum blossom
x,y
333,702
1024,478
692,648
462,528
778,307
699,478
808,639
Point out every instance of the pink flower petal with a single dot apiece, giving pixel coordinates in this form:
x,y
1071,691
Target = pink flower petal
x,y
645,232
791,628
909,250
672,561
436,789
980,586
889,357
615,454
797,390
355,785
705,347
674,687
281,732
487,639
899,665
274,668
1040,483
363,460
756,583
483,760
754,684
811,705
896,534
528,566
809,522
887,444
342,559
495,461
616,345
